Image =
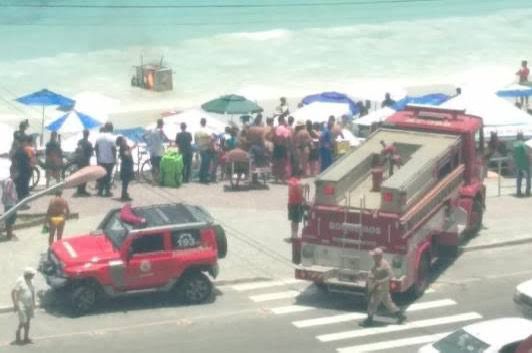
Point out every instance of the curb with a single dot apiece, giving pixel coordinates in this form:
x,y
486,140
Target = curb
x,y
37,220
497,245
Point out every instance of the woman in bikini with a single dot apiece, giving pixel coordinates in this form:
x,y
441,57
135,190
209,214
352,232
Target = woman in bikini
x,y
58,212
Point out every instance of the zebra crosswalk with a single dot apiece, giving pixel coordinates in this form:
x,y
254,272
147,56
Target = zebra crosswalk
x,y
429,319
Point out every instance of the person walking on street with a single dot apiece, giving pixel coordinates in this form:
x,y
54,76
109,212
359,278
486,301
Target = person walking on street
x,y
9,199
126,167
53,159
56,216
155,140
84,154
23,296
204,141
296,203
522,164
379,289
183,140
106,157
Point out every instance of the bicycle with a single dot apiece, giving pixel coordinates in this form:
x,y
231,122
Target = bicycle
x,y
145,171
69,167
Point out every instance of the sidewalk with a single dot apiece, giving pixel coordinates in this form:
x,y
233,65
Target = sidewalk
x,y
255,223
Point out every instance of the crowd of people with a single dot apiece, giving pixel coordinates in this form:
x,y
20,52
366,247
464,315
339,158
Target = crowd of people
x,y
278,142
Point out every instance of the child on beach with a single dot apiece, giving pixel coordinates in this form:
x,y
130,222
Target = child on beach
x,y
56,216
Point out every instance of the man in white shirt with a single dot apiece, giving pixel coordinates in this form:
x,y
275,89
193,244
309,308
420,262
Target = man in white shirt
x,y
155,140
105,149
23,296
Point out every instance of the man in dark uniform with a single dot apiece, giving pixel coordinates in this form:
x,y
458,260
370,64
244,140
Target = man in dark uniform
x,y
379,288
183,140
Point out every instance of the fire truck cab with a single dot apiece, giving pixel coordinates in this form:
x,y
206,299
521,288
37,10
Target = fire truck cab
x,y
414,188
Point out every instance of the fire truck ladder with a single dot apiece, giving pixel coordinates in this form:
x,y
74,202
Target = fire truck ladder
x,y
349,265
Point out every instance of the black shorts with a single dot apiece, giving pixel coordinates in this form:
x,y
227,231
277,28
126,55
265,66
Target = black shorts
x,y
156,162
295,213
9,221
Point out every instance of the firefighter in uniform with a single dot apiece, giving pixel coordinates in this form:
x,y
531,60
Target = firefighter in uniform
x,y
379,289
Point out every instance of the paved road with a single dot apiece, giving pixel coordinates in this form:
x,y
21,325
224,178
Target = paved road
x,y
287,316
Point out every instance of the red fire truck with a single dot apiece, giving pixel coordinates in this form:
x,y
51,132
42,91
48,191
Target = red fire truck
x,y
415,213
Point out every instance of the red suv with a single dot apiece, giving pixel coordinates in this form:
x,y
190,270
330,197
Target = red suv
x,y
168,248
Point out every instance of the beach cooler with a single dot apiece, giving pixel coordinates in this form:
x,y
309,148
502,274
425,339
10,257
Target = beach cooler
x,y
171,169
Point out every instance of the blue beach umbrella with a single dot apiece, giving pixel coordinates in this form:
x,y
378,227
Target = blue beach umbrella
x,y
72,122
428,99
515,91
332,97
45,98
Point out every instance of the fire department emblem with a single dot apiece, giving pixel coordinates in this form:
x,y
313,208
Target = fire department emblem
x,y
145,266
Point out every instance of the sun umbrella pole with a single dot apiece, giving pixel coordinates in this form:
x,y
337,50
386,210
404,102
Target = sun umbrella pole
x,y
42,127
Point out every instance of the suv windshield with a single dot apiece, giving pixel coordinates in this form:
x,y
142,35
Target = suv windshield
x,y
115,230
461,342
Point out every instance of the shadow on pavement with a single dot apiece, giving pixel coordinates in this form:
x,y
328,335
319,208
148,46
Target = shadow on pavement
x,y
321,298
56,304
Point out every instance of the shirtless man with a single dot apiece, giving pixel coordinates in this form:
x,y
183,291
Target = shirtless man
x,y
58,212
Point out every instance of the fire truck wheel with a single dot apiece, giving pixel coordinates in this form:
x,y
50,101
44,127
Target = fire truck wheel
x,y
82,298
195,288
422,277
477,213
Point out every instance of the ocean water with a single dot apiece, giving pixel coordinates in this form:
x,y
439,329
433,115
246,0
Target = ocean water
x,y
260,48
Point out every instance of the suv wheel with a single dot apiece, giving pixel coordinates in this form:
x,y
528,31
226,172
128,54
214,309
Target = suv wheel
x,y
82,299
221,242
195,288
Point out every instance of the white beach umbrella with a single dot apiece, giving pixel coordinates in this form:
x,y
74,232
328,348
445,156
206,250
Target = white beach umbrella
x,y
5,164
375,116
96,104
192,118
318,112
348,136
71,143
6,138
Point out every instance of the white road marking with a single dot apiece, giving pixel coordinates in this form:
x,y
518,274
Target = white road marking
x,y
291,309
274,296
429,290
395,328
264,284
403,342
357,316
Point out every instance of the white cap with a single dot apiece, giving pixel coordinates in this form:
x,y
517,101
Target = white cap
x,y
29,271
